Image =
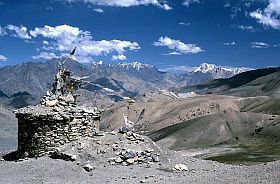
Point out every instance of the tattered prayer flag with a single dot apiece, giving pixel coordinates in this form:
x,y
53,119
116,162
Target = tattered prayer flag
x,y
73,52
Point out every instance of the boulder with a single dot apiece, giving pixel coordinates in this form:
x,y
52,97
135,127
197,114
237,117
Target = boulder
x,y
88,167
51,103
180,167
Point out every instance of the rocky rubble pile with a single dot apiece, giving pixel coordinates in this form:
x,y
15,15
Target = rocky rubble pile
x,y
128,156
113,148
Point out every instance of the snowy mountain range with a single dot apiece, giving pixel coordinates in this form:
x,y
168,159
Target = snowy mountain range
x,y
24,83
217,71
126,65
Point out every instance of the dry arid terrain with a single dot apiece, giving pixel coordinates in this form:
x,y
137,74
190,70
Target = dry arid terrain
x,y
184,131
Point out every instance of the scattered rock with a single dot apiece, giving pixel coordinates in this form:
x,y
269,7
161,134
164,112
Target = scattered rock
x,y
51,103
88,167
118,160
123,130
155,158
128,154
64,156
130,160
180,167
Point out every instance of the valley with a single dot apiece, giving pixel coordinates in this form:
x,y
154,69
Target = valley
x,y
189,125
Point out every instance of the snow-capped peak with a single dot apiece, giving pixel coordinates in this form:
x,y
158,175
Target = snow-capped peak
x,y
218,71
205,68
98,63
135,65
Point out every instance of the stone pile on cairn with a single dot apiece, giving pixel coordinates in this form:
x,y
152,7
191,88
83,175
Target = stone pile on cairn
x,y
57,120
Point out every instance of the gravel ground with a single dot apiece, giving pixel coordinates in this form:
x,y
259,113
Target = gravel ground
x,y
47,170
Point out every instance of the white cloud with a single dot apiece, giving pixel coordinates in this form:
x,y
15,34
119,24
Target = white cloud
x,y
173,53
246,28
56,32
98,10
187,3
184,23
229,43
119,57
270,15
64,37
259,45
166,7
227,5
45,42
45,55
18,31
124,3
178,46
3,58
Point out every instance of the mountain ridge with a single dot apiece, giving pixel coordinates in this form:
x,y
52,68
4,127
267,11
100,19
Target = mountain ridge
x,y
112,82
255,82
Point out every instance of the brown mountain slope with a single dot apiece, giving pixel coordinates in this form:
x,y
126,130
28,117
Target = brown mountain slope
x,y
252,83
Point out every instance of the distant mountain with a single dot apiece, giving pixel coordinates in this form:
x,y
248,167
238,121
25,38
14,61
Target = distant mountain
x,y
112,81
206,72
3,95
251,83
25,83
218,71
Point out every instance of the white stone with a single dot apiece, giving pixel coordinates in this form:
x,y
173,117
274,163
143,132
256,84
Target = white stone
x,y
181,167
73,157
51,103
119,160
130,160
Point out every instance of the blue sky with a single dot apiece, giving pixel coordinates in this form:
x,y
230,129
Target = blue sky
x,y
168,34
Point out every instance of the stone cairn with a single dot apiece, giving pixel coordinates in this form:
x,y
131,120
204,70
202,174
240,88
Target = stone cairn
x,y
57,120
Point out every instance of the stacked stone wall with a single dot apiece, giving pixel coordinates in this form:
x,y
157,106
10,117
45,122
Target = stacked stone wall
x,y
42,129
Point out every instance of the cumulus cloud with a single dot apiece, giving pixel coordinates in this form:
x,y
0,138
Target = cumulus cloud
x,y
177,46
125,3
187,3
63,38
3,58
18,31
270,15
98,10
119,57
229,43
45,55
259,45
